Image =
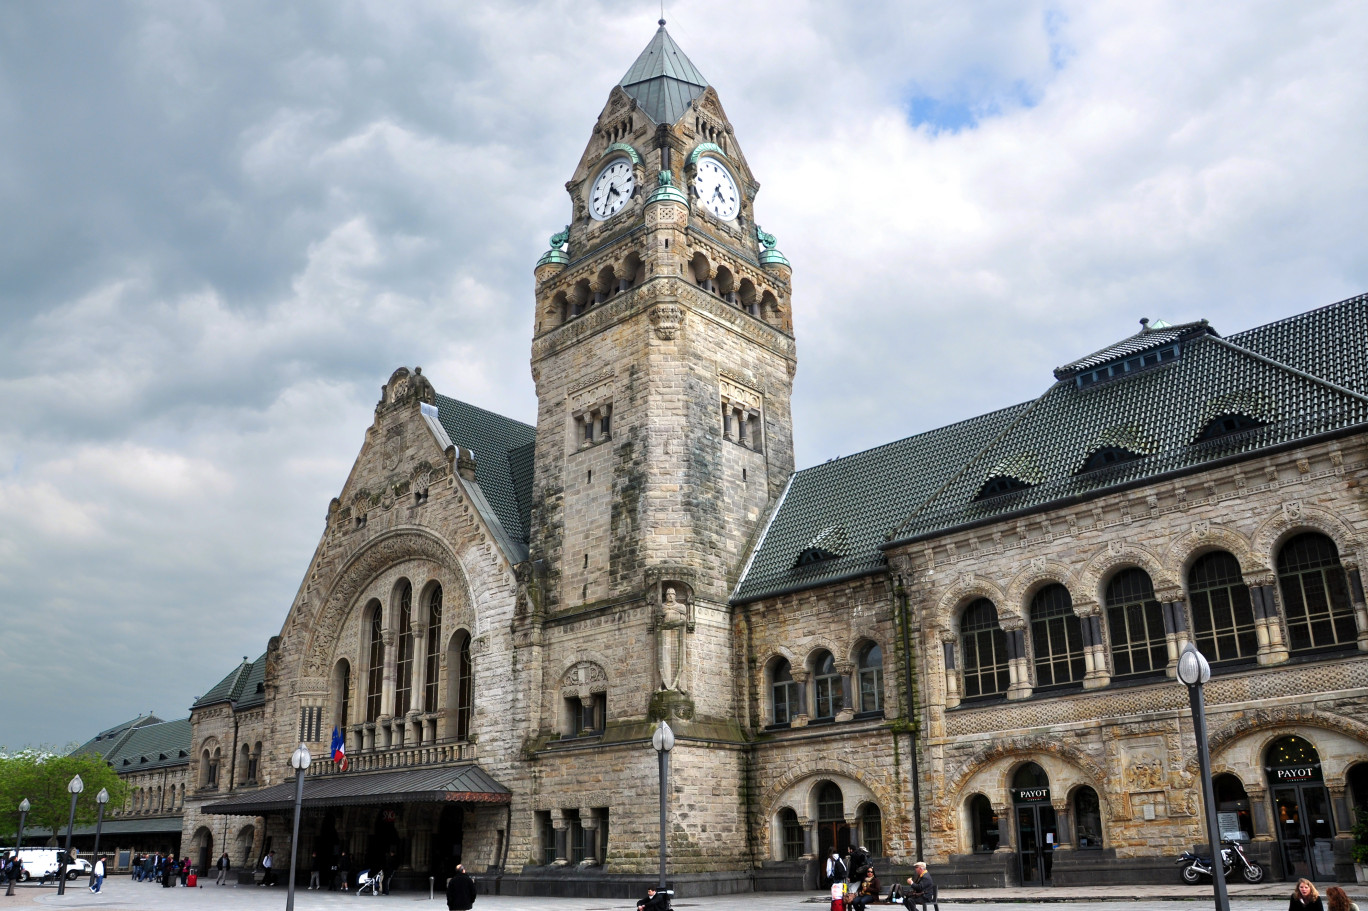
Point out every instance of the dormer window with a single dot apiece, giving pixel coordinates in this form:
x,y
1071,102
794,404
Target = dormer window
x,y
998,485
1106,457
1223,425
1129,365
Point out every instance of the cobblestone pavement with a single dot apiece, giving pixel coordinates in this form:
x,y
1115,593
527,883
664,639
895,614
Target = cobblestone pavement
x,y
120,893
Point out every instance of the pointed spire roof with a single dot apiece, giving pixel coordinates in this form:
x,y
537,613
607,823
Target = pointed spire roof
x,y
663,81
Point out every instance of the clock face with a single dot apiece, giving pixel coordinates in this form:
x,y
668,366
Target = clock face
x,y
716,189
612,189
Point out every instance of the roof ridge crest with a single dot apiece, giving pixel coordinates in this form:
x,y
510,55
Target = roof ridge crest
x,y
1343,390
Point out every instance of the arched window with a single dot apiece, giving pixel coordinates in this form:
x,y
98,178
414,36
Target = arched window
x,y
254,764
983,825
375,664
871,678
461,688
1136,623
870,821
434,650
791,833
1315,594
403,690
832,831
1056,638
1106,457
1222,616
985,650
783,692
1087,818
214,762
1223,425
245,775
341,694
827,682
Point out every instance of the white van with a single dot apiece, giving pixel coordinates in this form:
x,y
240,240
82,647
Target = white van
x,y
42,862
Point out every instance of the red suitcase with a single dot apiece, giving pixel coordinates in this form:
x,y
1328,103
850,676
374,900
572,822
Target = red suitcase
x,y
192,880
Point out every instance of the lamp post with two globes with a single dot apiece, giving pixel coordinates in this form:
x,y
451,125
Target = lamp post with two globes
x,y
18,842
1193,672
75,786
299,761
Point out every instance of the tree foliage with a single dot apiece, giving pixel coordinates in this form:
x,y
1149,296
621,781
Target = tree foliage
x,y
42,777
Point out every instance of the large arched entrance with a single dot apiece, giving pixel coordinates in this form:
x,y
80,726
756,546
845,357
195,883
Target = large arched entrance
x,y
1035,822
832,831
204,850
1301,808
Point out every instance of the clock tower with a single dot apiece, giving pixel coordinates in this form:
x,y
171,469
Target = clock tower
x,y
663,356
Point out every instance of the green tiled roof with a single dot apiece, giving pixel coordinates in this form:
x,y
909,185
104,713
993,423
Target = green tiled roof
x,y
1299,377
503,451
154,746
663,81
244,685
858,499
109,740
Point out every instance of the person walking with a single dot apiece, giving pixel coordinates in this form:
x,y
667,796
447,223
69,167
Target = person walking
x,y
315,871
98,872
1305,897
268,864
460,890
224,865
835,871
343,871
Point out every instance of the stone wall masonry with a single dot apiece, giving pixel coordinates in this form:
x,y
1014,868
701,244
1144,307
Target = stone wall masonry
x,y
1133,743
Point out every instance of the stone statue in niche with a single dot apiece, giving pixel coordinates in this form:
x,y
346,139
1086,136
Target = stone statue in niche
x,y
671,639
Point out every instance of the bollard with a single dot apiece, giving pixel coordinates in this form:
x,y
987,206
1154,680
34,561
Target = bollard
x,y
431,881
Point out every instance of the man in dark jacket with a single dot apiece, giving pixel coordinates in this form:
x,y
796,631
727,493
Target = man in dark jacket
x,y
654,901
460,890
921,888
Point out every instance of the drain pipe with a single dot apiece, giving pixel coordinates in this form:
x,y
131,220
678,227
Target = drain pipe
x,y
913,722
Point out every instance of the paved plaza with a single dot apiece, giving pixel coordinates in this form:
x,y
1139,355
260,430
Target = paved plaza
x,y
121,893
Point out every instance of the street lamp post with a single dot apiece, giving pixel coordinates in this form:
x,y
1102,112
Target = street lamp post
x,y
19,842
101,799
663,741
75,786
1194,672
299,761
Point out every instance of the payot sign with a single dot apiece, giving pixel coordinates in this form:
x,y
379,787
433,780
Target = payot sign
x,y
1295,773
1030,795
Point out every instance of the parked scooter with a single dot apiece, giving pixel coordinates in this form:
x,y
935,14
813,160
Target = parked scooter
x,y
1195,866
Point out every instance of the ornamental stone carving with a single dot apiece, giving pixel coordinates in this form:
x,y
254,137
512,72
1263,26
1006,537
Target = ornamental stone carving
x,y
666,318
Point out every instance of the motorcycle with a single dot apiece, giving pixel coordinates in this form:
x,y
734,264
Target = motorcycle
x,y
1195,866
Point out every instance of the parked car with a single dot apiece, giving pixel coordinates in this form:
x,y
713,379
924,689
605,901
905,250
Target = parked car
x,y
41,863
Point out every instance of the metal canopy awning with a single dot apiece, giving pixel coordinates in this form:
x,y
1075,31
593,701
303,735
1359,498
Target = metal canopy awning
x,y
449,784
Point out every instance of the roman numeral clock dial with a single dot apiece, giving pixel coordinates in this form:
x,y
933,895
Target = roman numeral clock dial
x,y
612,189
716,189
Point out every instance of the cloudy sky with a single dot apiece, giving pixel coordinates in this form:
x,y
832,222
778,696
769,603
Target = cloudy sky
x,y
222,226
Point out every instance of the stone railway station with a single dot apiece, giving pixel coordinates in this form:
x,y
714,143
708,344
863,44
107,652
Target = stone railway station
x,y
958,646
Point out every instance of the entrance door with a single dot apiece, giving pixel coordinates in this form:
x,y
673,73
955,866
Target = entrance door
x,y
1036,835
832,831
1305,831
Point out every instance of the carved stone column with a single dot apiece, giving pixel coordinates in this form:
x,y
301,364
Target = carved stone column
x,y
1259,814
1094,645
589,821
809,828
368,737
1006,829
1018,675
561,825
390,678
1064,840
1175,628
1356,596
846,711
801,717
419,664
952,694
1267,618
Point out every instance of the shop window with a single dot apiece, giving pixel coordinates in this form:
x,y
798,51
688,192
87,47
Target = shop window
x,y
783,692
827,684
870,821
1315,594
791,833
985,651
1232,805
1056,638
1136,623
1222,615
871,678
1087,819
983,825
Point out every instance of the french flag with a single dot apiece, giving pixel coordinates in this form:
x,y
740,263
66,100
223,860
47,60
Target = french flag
x,y
339,749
